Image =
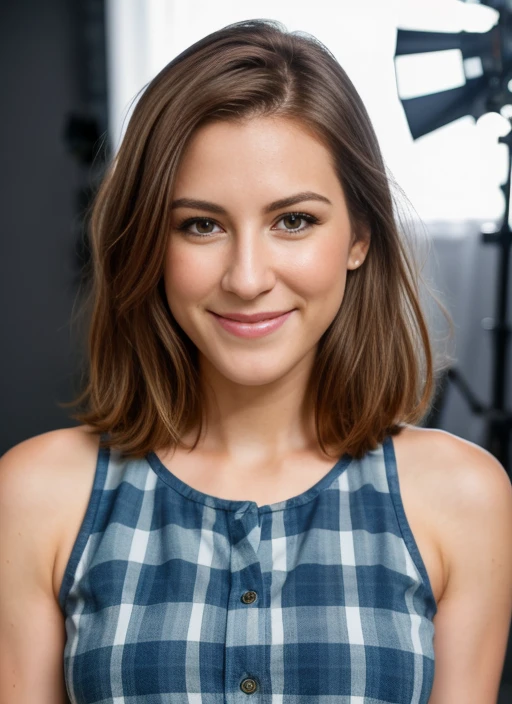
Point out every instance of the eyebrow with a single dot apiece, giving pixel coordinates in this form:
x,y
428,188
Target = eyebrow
x,y
276,205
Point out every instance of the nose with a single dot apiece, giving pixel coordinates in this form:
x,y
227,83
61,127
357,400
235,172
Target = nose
x,y
249,269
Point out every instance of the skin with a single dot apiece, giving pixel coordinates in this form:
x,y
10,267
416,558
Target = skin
x,y
253,262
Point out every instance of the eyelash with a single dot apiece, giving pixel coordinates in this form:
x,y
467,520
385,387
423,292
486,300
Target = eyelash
x,y
183,226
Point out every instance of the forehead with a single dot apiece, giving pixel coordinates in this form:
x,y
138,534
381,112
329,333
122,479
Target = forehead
x,y
272,152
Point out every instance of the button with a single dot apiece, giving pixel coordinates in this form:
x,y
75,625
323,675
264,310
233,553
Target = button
x,y
249,597
248,685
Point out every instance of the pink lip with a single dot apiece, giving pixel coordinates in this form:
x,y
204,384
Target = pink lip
x,y
264,327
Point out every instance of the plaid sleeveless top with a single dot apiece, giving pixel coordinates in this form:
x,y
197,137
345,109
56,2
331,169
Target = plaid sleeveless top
x,y
174,595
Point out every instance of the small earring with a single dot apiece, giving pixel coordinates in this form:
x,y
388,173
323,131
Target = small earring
x,y
356,262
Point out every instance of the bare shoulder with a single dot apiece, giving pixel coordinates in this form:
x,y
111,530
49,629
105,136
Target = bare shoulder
x,y
43,463
449,462
45,481
465,489
467,501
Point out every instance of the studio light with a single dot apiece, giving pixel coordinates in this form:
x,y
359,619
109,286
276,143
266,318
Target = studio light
x,y
483,86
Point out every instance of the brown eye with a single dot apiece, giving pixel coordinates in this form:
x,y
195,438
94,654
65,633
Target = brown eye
x,y
202,228
294,220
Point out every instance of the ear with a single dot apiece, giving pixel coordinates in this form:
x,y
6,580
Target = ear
x,y
359,249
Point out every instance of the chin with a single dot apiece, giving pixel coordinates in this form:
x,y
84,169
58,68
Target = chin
x,y
252,378
260,367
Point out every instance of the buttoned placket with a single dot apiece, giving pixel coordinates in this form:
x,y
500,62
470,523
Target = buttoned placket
x,y
245,676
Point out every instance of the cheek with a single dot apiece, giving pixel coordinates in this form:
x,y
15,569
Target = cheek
x,y
321,271
187,275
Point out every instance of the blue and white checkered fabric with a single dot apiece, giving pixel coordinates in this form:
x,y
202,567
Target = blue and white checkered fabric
x,y
342,606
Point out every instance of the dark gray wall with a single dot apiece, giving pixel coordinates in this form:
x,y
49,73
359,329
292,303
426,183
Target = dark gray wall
x,y
38,236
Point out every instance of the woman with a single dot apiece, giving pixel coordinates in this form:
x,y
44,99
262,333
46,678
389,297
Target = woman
x,y
247,508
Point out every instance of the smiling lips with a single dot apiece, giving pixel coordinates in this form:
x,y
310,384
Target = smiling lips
x,y
251,326
252,317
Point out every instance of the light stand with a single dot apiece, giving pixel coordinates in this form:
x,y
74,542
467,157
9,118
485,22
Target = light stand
x,y
481,94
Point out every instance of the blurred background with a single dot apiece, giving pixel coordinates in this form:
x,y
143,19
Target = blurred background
x,y
71,75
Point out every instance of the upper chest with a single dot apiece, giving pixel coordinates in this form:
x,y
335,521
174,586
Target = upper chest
x,y
270,486
266,485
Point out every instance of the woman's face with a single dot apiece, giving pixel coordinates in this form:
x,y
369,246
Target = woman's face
x,y
246,254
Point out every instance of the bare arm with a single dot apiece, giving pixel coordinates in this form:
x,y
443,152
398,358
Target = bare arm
x,y
473,618
32,634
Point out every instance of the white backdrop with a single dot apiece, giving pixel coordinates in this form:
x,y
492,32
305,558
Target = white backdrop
x,y
144,35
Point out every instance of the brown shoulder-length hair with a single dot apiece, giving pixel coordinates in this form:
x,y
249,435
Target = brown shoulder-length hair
x,y
374,364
